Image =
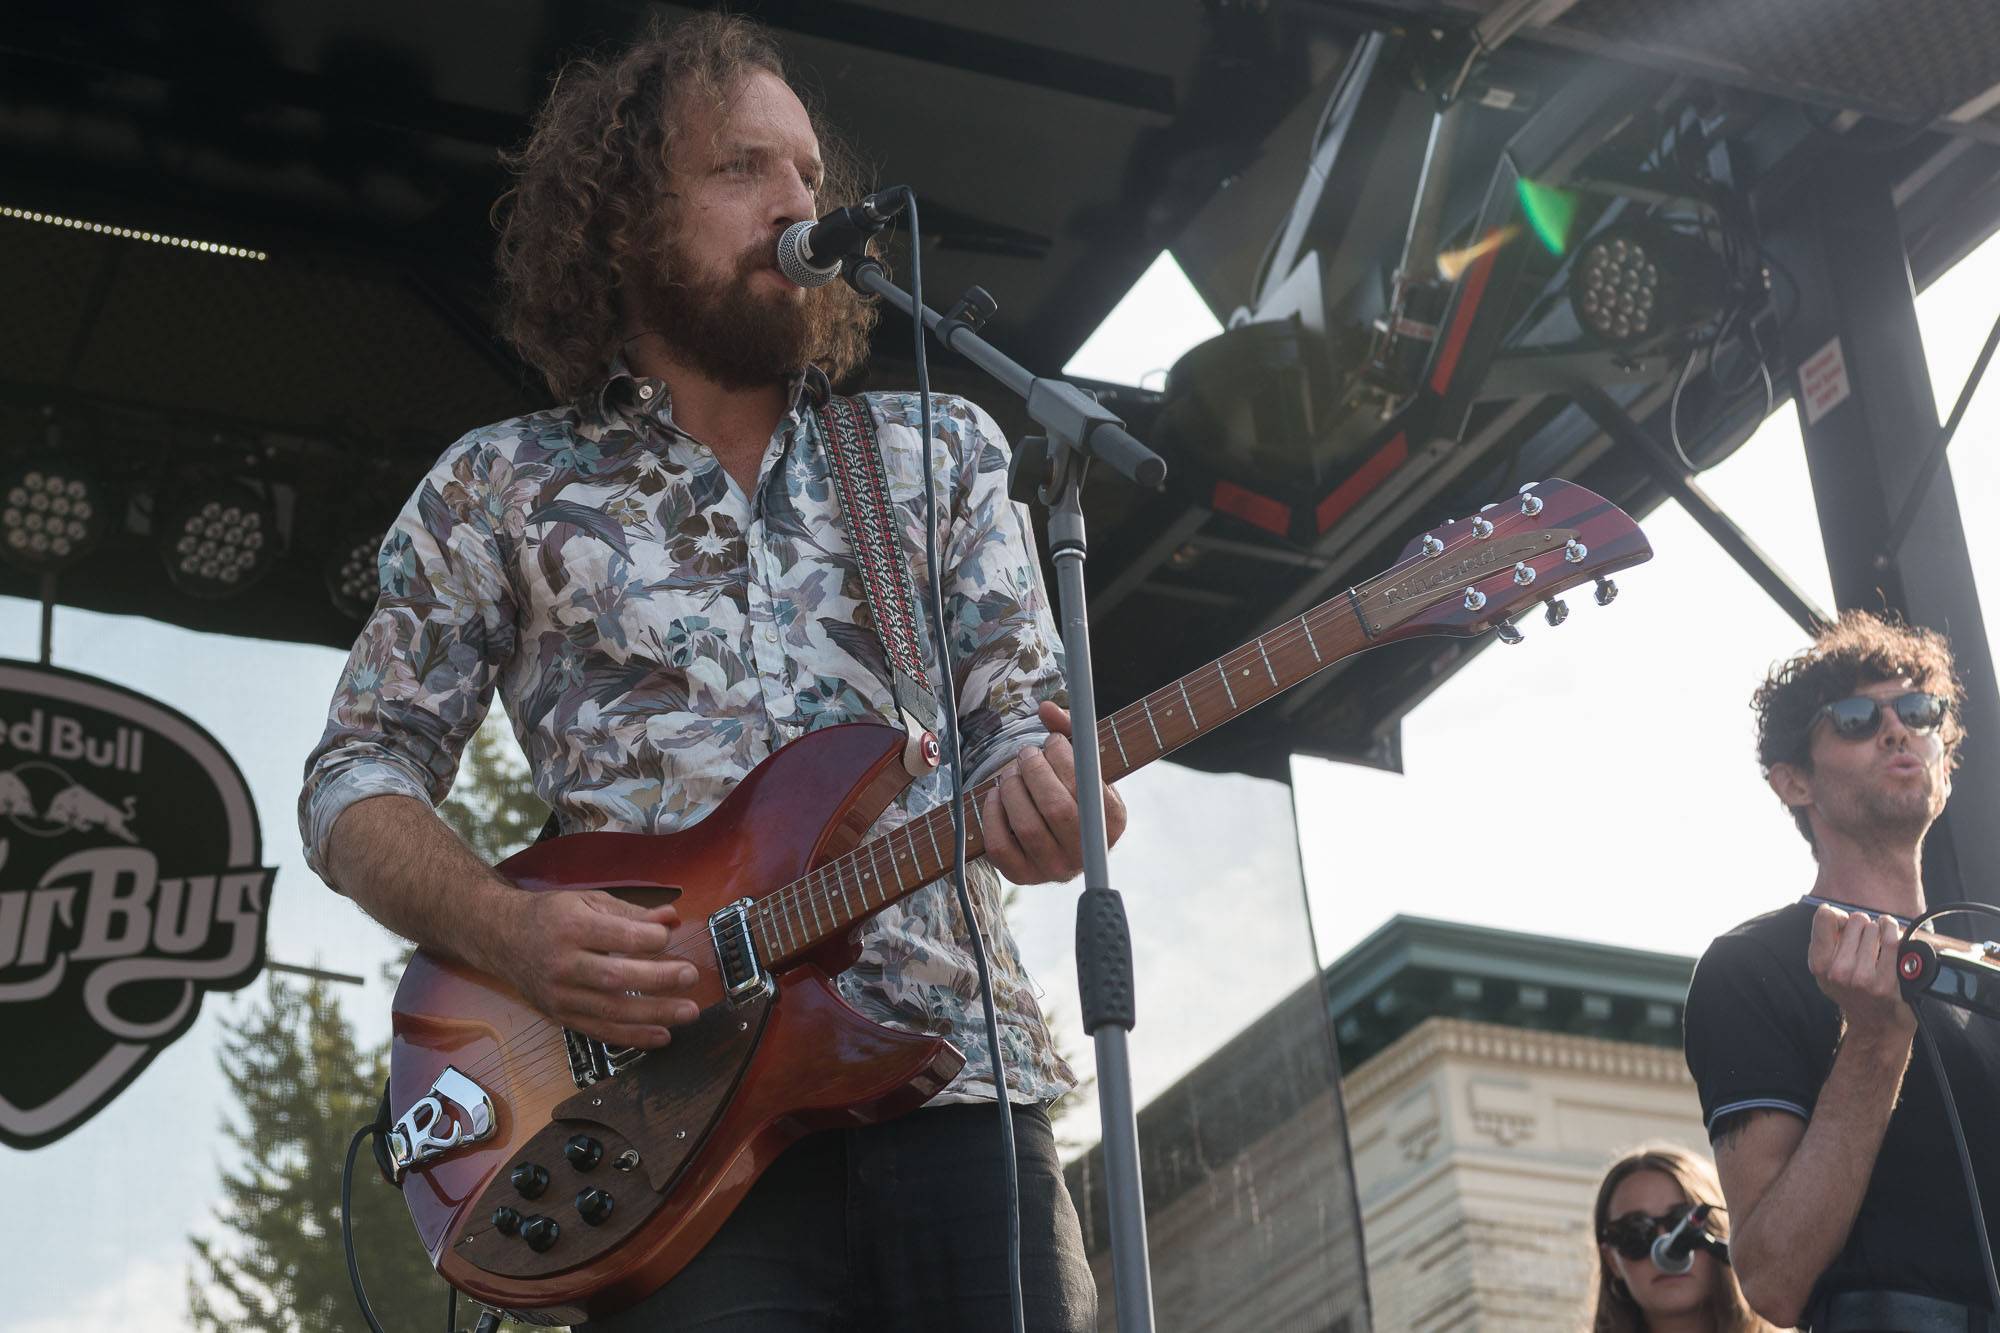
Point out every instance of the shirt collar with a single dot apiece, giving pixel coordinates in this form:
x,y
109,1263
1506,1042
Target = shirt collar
x,y
621,390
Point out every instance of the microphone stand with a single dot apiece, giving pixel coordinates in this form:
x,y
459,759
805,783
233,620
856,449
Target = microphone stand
x,y
1051,467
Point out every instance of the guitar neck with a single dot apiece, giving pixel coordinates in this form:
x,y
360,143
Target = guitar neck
x,y
825,904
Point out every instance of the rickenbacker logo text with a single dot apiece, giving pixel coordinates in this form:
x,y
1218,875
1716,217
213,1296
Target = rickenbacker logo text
x,y
130,885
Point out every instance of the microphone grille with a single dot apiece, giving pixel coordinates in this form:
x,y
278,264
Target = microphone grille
x,y
793,263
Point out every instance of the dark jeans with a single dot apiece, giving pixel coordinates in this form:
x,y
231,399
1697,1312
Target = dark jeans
x,y
899,1226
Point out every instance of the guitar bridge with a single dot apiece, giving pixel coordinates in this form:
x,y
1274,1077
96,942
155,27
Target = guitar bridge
x,y
743,976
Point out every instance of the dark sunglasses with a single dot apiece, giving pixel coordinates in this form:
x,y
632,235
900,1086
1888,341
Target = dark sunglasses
x,y
1860,717
1632,1235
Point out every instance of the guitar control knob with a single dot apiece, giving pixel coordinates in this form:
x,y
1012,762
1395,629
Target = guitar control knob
x,y
1607,592
541,1233
1558,611
1482,528
594,1205
1474,599
506,1221
1432,546
583,1152
1508,634
530,1180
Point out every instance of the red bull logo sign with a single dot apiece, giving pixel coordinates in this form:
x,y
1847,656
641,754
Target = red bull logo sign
x,y
131,885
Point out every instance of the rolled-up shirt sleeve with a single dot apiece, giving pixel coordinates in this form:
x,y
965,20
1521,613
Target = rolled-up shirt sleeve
x,y
422,673
1006,653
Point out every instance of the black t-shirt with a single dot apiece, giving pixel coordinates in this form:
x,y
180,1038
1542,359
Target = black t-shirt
x,y
1761,1034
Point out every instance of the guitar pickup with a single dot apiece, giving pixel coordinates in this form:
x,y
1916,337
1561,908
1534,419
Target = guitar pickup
x,y
455,1112
743,976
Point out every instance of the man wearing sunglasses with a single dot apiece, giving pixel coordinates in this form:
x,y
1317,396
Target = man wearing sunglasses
x,y
1844,1190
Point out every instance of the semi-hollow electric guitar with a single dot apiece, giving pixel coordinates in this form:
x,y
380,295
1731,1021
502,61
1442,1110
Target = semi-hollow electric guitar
x,y
561,1179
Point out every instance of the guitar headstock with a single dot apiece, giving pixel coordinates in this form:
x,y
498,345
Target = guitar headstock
x,y
1478,573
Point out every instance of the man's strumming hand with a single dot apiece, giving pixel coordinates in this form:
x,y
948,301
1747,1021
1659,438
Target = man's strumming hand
x,y
593,962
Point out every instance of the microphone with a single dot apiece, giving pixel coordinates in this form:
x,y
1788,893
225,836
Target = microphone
x,y
809,253
1674,1252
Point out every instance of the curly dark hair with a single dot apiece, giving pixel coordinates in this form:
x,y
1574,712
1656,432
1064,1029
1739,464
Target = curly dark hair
x,y
1858,649
592,208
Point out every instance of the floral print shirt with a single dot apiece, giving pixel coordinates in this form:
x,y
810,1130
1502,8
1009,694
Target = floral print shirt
x,y
655,633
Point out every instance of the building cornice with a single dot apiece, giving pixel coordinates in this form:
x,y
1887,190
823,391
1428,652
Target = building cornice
x,y
1525,1048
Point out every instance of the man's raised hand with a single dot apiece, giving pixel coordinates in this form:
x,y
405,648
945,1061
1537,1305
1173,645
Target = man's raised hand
x,y
1853,958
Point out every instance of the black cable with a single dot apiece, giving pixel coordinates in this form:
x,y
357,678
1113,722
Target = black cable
x,y
1964,1157
1951,1107
347,1226
955,758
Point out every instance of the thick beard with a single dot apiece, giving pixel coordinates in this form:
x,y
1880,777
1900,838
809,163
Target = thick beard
x,y
736,336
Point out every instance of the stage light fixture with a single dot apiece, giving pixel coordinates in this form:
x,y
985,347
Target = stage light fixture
x,y
353,576
218,540
131,233
1633,283
52,513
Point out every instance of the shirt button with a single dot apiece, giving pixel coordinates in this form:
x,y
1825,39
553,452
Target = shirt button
x,y
770,636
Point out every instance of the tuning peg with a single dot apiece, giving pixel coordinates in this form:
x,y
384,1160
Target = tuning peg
x,y
1482,528
1432,546
1508,634
1607,592
1475,600
1524,573
1531,504
1558,611
1574,551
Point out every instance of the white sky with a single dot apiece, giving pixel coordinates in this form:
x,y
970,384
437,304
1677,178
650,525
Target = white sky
x,y
1632,720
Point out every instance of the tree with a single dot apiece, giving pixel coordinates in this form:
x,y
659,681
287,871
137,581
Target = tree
x,y
493,806
302,1085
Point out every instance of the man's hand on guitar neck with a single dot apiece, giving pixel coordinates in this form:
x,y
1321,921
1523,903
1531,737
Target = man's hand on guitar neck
x,y
1033,833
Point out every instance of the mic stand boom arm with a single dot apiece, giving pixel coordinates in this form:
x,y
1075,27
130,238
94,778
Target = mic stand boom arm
x,y
1078,429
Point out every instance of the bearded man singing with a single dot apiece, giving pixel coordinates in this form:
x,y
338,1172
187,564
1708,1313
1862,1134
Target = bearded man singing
x,y
656,578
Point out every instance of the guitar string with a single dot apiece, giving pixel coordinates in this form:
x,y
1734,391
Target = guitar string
x,y
788,897
803,892
798,895
552,1065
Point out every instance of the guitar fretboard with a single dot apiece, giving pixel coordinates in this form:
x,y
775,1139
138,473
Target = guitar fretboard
x,y
796,919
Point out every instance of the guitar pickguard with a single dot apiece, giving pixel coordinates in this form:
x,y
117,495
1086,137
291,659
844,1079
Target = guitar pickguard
x,y
647,1123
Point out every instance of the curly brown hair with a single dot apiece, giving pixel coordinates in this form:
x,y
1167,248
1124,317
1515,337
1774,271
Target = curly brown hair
x,y
592,208
1613,1310
1856,650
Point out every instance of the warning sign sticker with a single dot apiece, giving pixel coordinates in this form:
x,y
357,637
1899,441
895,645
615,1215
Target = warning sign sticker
x,y
1823,381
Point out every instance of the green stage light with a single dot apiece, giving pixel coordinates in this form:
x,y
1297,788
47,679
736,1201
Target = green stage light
x,y
1549,212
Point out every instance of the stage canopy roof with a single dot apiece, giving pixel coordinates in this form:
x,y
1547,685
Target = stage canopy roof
x,y
1276,147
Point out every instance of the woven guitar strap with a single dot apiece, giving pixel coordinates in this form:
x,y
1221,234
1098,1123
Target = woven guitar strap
x,y
862,484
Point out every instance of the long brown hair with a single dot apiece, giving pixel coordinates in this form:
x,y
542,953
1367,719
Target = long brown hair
x,y
1614,1309
593,208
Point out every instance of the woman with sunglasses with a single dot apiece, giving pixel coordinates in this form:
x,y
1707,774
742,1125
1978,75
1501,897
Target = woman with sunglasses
x,y
1645,1195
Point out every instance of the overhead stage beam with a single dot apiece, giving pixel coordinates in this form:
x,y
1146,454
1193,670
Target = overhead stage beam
x,y
1869,416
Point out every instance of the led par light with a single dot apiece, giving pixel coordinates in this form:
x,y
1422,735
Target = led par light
x,y
218,540
52,512
1636,283
353,578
